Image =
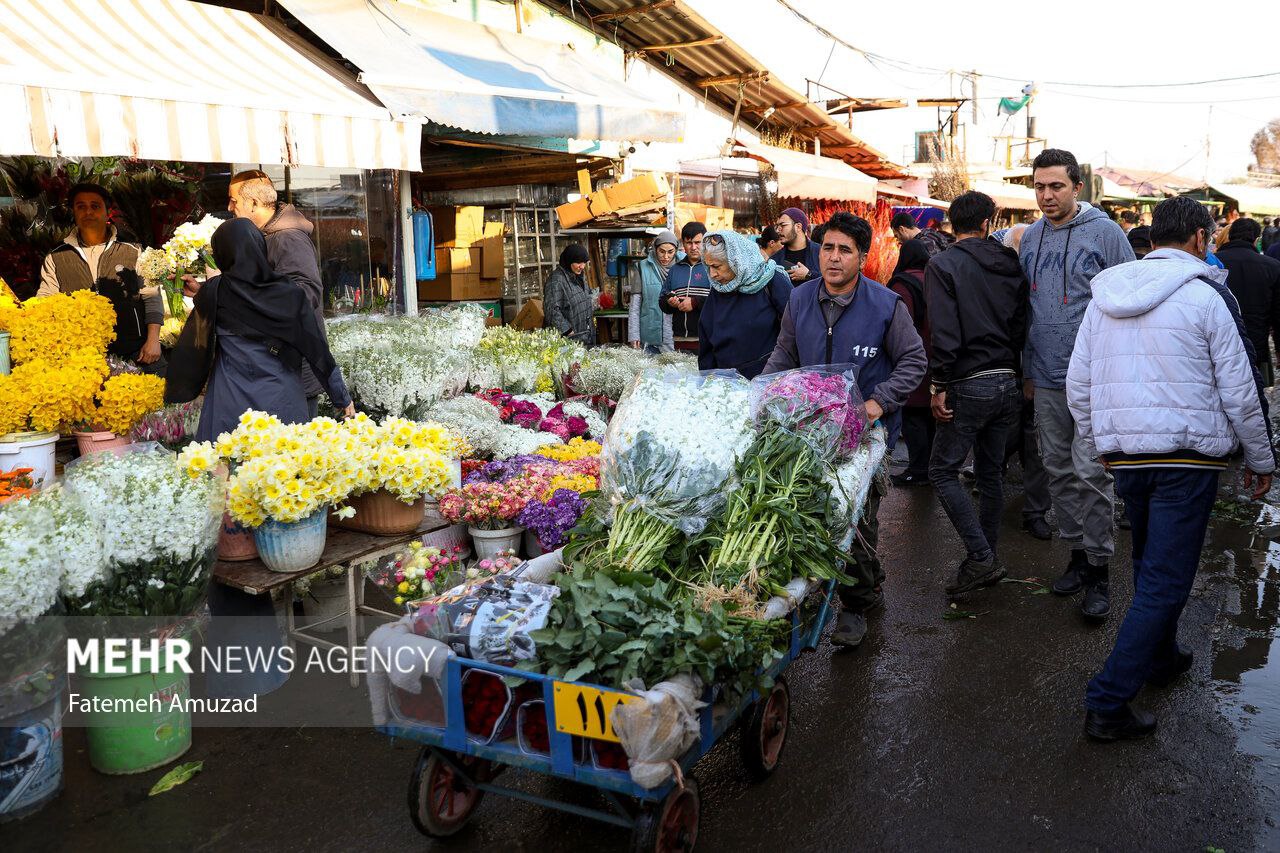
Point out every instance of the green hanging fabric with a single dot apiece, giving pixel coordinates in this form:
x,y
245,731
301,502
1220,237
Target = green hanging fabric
x,y
1009,106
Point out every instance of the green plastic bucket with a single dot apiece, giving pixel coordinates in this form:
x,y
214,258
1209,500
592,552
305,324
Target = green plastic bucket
x,y
136,725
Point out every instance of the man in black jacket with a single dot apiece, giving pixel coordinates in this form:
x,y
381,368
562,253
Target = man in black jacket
x,y
1254,279
977,297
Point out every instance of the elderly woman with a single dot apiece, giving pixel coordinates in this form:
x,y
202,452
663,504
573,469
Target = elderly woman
x,y
568,304
265,330
742,317
647,326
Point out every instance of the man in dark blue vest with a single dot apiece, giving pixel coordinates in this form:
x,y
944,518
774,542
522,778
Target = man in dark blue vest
x,y
843,317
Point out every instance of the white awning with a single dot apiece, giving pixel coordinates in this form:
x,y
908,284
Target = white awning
x,y
808,176
1008,196
176,80
1263,201
433,67
1112,190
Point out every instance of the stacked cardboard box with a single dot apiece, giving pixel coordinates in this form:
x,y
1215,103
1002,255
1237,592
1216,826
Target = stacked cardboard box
x,y
637,197
469,256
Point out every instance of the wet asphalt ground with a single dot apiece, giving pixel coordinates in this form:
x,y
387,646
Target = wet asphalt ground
x,y
957,734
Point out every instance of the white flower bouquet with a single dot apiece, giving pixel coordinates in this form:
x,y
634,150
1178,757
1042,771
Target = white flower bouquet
x,y
188,251
158,529
607,371
669,454
29,562
401,366
474,419
522,362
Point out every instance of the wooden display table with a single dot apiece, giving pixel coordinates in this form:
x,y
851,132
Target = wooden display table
x,y
345,549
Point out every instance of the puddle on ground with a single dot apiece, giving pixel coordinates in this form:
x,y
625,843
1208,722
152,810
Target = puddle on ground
x,y
1246,655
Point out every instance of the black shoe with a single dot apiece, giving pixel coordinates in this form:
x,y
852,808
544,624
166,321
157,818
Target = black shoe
x,y
974,575
1166,676
1096,604
1073,578
1128,725
850,630
906,478
1037,527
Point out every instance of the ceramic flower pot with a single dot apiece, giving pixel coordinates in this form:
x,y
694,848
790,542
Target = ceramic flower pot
x,y
383,514
99,442
489,542
235,541
34,450
292,547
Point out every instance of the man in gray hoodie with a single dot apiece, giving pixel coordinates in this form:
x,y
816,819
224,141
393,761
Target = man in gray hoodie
x,y
1060,255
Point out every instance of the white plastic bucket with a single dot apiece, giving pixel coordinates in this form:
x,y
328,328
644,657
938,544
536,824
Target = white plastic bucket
x,y
34,450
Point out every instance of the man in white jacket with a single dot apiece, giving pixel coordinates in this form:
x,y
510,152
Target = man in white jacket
x,y
1160,383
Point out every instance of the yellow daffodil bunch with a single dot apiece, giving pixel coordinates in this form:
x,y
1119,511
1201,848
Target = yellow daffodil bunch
x,y
124,399
407,458
576,482
10,307
51,394
577,448
54,326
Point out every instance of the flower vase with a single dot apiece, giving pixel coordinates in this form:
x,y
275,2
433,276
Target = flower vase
x,y
34,450
235,541
383,514
295,546
90,442
489,542
4,354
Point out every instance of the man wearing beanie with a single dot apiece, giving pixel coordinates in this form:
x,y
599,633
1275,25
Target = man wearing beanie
x,y
687,288
798,255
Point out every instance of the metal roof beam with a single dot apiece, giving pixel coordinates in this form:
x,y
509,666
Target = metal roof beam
x,y
634,11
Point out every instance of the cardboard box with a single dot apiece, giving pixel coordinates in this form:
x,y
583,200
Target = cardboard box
x,y
455,286
584,209
492,260
715,218
458,261
646,189
457,227
530,316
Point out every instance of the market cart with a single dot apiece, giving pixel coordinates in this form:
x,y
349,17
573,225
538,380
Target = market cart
x,y
455,769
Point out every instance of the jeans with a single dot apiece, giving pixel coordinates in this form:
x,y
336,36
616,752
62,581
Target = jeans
x,y
1169,509
1079,485
918,428
984,411
865,568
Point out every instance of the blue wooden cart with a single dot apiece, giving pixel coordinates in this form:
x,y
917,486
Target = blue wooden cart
x,y
454,770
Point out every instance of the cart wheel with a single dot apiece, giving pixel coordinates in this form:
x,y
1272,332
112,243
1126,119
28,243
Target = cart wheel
x,y
440,800
765,731
672,825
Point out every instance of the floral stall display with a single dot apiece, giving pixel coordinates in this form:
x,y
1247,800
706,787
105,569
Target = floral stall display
x,y
402,366
663,477
607,371
523,362
541,412
474,419
172,427
187,252
553,518
575,448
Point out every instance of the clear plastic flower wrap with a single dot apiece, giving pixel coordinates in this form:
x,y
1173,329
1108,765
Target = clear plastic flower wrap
x,y
669,452
850,482
822,405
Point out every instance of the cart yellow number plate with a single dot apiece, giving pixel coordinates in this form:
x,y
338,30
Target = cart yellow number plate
x,y
586,711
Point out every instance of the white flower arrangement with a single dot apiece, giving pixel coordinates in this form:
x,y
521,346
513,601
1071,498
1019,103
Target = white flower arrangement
x,y
607,371
29,575
474,419
511,440
80,547
522,362
185,252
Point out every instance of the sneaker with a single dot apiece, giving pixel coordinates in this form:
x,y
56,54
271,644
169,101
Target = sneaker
x,y
851,630
1127,725
974,575
1166,676
1037,527
906,479
1096,604
1072,580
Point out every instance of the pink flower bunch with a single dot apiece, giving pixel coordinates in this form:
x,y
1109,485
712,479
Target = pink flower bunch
x,y
492,506
525,414
504,562
821,408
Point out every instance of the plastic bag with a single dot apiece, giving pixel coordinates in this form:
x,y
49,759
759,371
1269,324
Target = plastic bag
x,y
821,404
674,442
490,622
850,483
658,728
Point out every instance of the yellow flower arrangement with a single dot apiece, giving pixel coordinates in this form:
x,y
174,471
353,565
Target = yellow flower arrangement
x,y
10,307
576,482
288,471
124,399
51,394
55,326
577,448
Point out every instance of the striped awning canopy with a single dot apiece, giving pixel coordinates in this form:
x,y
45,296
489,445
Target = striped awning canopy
x,y
177,80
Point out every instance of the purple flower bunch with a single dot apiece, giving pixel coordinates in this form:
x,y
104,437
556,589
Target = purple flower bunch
x,y
172,426
551,520
823,408
508,469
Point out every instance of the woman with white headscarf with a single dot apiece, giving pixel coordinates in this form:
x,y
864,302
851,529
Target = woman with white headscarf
x,y
742,316
648,328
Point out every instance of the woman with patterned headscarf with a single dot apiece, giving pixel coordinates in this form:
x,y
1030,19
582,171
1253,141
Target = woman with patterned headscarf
x,y
742,316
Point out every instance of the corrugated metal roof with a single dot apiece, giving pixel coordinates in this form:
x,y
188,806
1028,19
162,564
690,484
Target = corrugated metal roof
x,y
671,22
